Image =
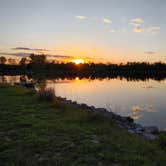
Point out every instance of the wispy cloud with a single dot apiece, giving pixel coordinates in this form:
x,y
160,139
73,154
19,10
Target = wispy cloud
x,y
107,20
29,49
137,20
60,56
150,52
112,30
81,17
138,29
19,54
153,29
25,54
134,24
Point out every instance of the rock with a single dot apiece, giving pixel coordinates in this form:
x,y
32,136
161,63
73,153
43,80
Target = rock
x,y
139,130
101,109
129,119
26,84
152,129
74,102
110,114
69,101
92,107
83,105
131,131
149,136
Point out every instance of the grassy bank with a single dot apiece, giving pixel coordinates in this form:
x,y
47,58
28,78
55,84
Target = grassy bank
x,y
35,132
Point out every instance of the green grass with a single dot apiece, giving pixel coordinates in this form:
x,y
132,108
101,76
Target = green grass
x,y
35,132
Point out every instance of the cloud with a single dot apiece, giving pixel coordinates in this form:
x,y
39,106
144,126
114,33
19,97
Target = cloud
x,y
134,24
60,56
112,30
153,29
150,52
29,49
19,54
107,20
25,54
81,17
137,20
138,29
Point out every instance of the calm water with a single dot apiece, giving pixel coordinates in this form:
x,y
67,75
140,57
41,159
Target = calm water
x,y
144,101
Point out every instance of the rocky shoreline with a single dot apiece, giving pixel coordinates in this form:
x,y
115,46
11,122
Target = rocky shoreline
x,y
149,133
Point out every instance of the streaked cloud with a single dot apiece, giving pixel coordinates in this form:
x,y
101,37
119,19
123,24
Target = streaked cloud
x,y
107,20
59,56
150,52
153,29
138,29
25,54
112,30
19,54
137,20
81,17
134,24
29,49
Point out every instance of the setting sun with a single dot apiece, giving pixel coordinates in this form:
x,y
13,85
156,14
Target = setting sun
x,y
78,61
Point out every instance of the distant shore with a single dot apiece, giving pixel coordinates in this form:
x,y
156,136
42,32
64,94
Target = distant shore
x,y
129,71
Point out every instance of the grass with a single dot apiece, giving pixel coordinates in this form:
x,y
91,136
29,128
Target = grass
x,y
35,132
47,94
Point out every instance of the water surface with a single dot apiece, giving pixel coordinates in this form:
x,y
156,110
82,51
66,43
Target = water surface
x,y
144,101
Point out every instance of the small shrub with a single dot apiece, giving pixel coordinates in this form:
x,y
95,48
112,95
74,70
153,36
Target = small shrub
x,y
47,94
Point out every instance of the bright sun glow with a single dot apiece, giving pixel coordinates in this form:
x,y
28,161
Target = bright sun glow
x,y
78,61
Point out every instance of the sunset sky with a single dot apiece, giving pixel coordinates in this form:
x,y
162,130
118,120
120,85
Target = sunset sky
x,y
96,30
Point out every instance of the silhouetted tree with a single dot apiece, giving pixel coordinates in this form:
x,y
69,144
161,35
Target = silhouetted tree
x,y
23,61
37,59
2,60
12,61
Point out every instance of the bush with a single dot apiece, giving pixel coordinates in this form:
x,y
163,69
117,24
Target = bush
x,y
47,94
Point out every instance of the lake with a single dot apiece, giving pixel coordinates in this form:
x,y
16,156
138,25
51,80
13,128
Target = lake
x,y
144,101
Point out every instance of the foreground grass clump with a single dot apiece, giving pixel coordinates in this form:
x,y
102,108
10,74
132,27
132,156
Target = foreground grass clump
x,y
47,94
35,132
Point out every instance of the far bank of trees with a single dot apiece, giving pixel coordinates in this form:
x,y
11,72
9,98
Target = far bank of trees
x,y
38,63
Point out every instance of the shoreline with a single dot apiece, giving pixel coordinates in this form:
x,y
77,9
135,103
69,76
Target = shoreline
x,y
124,122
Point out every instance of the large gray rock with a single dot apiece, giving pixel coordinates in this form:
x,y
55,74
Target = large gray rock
x,y
152,129
150,136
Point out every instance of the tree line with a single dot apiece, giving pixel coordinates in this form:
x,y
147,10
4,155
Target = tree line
x,y
36,63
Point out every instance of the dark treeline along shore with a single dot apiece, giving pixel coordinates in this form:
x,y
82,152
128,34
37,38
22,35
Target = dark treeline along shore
x,y
38,66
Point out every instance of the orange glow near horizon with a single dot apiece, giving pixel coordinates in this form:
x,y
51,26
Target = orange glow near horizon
x,y
78,61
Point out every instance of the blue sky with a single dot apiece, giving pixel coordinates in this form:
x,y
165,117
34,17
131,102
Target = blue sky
x,y
100,30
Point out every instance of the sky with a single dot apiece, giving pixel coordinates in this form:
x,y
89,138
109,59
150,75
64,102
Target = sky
x,y
114,31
